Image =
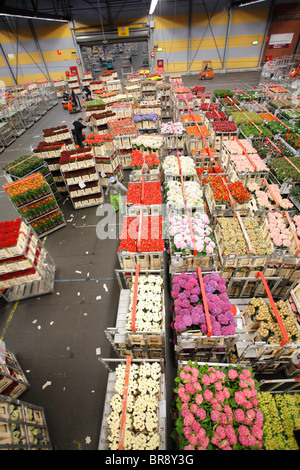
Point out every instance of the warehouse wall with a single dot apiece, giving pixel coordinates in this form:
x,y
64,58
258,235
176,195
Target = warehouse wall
x,y
208,42
285,19
56,44
206,36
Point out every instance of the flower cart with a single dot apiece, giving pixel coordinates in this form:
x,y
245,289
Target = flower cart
x,y
79,170
272,334
177,167
174,133
51,153
149,144
204,319
242,242
224,198
124,131
13,381
144,167
23,426
141,242
27,165
134,411
183,195
216,408
147,123
140,323
267,197
55,134
26,268
145,196
191,242
34,200
243,162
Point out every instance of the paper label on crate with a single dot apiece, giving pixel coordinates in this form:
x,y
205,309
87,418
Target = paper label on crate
x,y
2,352
81,184
103,175
162,409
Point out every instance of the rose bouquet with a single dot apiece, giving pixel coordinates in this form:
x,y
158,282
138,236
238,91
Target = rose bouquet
x,y
200,239
189,308
182,165
217,409
175,194
142,408
149,307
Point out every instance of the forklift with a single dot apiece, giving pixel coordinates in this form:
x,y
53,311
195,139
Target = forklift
x,y
208,72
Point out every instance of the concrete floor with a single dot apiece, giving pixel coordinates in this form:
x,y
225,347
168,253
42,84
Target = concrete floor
x,y
56,337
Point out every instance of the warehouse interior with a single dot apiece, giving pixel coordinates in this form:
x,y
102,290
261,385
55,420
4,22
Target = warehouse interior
x,y
60,338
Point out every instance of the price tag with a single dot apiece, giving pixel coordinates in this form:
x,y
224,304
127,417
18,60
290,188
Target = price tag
x,y
81,184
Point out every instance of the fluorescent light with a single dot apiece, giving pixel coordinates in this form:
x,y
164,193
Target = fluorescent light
x,y
152,6
33,17
250,3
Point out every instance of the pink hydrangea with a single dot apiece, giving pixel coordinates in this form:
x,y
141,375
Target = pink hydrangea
x,y
218,386
215,416
223,419
206,380
221,431
232,374
201,413
199,399
189,388
220,396
239,415
208,394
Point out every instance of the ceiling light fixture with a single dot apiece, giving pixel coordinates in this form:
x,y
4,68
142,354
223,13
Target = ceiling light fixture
x,y
33,17
152,6
250,3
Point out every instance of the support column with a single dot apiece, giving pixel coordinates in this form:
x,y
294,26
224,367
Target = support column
x,y
266,33
189,38
8,65
38,47
227,38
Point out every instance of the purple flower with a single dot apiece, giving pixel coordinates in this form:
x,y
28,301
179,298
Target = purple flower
x,y
194,299
196,290
184,311
176,288
185,303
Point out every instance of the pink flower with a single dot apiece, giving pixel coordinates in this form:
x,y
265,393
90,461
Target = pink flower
x,y
223,419
215,416
213,377
206,380
257,432
220,396
218,386
189,447
193,408
187,431
208,394
221,431
196,426
239,415
232,374
189,388
199,399
193,440
201,413
188,420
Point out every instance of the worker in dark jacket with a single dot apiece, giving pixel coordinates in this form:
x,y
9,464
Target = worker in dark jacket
x,y
88,93
75,100
78,127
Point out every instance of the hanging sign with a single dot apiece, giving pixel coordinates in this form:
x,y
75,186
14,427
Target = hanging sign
x,y
152,54
123,31
278,41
